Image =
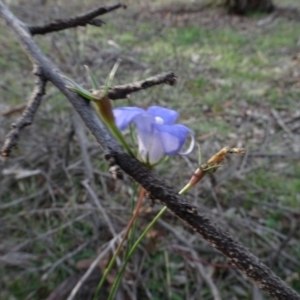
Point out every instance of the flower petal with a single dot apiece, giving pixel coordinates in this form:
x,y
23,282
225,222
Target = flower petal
x,y
150,145
125,115
168,116
173,137
192,145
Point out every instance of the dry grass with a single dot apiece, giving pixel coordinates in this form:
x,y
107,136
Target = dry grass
x,y
238,85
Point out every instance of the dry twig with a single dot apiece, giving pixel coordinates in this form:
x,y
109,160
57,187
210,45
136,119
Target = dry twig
x,y
50,232
123,91
80,20
103,253
99,206
215,292
282,124
88,168
69,255
26,118
237,254
23,199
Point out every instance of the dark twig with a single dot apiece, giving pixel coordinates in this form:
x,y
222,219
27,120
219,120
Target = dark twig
x,y
237,254
123,91
80,20
282,124
293,229
26,118
88,168
61,260
96,22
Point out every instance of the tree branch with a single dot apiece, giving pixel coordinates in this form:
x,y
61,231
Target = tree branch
x,y
26,118
237,254
80,20
123,91
234,251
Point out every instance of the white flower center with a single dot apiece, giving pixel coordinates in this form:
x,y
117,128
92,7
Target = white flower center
x,y
159,120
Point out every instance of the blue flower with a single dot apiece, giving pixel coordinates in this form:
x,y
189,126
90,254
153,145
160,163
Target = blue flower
x,y
156,132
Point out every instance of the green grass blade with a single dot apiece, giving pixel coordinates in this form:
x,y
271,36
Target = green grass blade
x,y
113,259
131,252
135,245
94,83
79,89
111,76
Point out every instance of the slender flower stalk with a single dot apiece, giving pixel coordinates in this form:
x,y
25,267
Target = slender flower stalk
x,y
135,245
212,165
129,226
131,252
157,137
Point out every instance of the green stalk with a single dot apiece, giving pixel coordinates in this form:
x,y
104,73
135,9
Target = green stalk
x,y
134,247
114,129
131,234
92,79
185,189
113,259
111,75
132,250
168,274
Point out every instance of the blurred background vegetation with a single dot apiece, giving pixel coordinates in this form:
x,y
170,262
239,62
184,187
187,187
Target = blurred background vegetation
x,y
238,85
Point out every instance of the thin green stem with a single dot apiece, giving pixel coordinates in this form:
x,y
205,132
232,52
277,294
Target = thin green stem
x,y
111,75
113,259
199,155
134,247
120,137
168,274
185,189
92,79
132,250
130,239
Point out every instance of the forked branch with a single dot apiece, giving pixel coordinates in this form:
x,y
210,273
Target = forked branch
x,y
26,118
